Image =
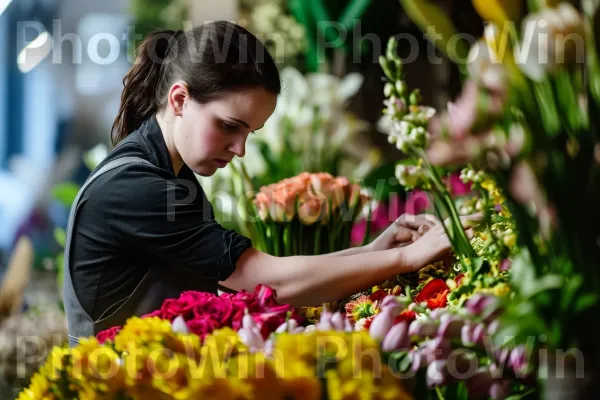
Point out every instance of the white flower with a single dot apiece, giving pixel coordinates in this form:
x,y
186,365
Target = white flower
x,y
410,176
485,68
179,326
552,39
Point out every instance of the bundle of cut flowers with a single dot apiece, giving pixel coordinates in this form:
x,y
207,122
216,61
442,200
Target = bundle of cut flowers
x,y
202,313
308,214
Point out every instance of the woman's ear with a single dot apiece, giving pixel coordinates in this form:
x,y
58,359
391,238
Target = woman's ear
x,y
178,95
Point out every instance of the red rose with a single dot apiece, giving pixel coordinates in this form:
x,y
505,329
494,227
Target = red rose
x,y
378,295
202,326
192,297
219,309
108,334
406,315
435,293
172,308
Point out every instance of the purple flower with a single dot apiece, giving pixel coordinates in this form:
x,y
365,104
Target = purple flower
x,y
397,338
418,360
381,324
437,373
478,303
505,265
423,328
450,326
436,349
518,360
337,320
479,385
393,303
499,390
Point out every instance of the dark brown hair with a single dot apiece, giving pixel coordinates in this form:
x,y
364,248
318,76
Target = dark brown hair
x,y
212,59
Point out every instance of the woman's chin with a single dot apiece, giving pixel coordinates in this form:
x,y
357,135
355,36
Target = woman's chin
x,y
205,171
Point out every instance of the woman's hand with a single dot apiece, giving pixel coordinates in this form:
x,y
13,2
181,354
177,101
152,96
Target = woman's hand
x,y
434,243
404,231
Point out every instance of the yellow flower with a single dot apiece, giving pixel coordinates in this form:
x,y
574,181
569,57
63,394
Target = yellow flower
x,y
38,389
499,11
142,330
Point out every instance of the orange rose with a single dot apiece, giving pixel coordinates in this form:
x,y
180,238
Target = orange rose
x,y
312,208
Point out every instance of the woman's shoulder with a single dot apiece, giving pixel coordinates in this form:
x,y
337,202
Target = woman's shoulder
x,y
137,179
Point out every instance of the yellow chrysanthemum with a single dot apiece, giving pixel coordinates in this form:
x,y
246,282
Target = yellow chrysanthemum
x,y
38,389
142,330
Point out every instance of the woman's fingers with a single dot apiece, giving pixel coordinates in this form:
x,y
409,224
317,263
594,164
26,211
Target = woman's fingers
x,y
469,221
415,221
470,233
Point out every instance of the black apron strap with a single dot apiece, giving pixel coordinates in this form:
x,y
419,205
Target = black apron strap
x,y
78,321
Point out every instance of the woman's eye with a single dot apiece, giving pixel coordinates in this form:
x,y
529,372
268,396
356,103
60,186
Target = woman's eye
x,y
229,127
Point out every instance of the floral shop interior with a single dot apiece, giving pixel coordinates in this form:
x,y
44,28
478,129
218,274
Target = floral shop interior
x,y
325,199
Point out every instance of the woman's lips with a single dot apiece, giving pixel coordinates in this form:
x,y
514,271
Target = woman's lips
x,y
221,163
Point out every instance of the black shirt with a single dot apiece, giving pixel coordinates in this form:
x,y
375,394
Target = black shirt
x,y
138,216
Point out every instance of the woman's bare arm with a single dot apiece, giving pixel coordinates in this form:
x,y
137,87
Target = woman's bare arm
x,y
313,280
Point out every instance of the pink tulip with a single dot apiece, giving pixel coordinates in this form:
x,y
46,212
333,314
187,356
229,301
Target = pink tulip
x,y
394,304
450,326
437,373
337,320
466,334
381,324
423,328
480,384
499,390
397,338
348,327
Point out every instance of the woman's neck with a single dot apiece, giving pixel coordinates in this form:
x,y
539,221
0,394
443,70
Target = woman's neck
x,y
165,124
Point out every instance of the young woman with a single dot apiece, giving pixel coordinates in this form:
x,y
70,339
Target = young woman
x,y
142,229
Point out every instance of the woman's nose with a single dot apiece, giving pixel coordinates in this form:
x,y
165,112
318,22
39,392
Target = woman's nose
x,y
238,147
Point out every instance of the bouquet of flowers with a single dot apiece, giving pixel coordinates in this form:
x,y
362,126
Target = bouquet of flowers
x,y
308,214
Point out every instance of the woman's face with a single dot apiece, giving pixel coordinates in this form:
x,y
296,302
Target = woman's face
x,y
207,136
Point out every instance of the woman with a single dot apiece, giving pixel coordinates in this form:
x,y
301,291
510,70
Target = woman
x,y
142,229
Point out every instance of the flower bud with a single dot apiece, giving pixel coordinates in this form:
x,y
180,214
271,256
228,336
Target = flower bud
x,y
179,326
499,390
423,328
337,321
401,87
348,325
450,326
437,373
298,329
393,303
287,326
397,338
381,324
310,328
388,89
248,321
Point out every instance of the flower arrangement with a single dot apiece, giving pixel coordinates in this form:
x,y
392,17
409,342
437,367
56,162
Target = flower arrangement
x,y
153,357
308,214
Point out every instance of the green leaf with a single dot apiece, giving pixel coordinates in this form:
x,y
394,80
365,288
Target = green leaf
x,y
60,235
522,274
427,15
585,301
65,193
546,282
569,291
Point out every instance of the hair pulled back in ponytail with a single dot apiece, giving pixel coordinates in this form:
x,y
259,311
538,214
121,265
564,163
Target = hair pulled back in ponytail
x,y
212,59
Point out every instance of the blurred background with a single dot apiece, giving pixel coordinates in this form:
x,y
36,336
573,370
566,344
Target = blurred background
x,y
61,69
